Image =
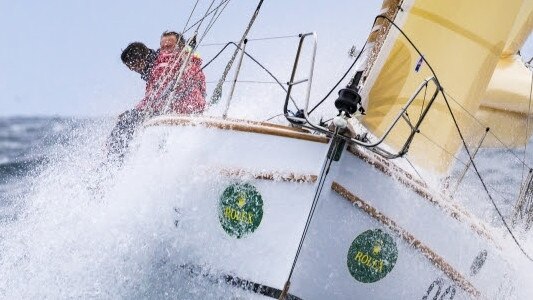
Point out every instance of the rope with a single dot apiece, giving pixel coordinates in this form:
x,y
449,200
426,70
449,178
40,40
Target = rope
x,y
246,81
481,179
190,15
256,39
184,66
171,89
278,115
205,16
444,149
218,90
275,37
323,174
416,171
161,90
213,20
340,80
255,61
491,133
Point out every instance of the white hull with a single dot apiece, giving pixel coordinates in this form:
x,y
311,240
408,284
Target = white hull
x,y
435,243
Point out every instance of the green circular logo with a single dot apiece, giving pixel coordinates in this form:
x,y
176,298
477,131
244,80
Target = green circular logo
x,y
372,256
240,210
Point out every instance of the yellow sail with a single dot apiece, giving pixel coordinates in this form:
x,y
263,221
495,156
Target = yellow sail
x,y
506,105
463,41
521,29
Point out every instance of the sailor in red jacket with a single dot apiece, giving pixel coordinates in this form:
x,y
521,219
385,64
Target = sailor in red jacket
x,y
164,92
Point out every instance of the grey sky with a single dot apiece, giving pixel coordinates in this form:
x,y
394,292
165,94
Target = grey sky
x,y
63,57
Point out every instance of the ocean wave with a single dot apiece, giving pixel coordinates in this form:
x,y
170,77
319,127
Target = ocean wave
x,y
19,167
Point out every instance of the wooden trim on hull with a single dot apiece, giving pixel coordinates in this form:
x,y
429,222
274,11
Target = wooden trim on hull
x,y
438,261
421,189
273,176
244,126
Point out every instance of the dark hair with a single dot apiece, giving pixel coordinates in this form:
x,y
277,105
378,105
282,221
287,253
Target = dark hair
x,y
135,52
179,36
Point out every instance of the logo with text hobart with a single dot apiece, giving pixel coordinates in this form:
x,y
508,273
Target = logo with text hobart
x,y
372,256
241,209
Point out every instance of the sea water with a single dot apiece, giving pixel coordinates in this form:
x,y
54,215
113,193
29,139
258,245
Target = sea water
x,y
67,231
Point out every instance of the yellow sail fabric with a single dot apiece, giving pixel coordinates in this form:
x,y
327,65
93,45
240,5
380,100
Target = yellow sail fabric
x,y
506,105
521,29
463,41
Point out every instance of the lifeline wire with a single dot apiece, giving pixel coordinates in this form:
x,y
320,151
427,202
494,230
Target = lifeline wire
x,y
490,132
254,60
256,39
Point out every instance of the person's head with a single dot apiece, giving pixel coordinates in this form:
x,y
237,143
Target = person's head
x,y
169,41
135,56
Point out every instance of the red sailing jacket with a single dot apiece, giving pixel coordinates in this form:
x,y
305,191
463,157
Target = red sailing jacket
x,y
163,92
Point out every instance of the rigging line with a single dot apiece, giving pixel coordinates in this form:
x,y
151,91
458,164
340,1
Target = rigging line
x,y
218,90
502,194
205,16
169,89
256,39
190,15
213,20
257,62
274,37
170,92
212,44
340,80
459,160
278,115
210,25
491,132
443,149
418,173
359,55
246,81
481,178
217,55
323,174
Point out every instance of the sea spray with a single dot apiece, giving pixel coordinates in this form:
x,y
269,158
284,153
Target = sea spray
x,y
122,242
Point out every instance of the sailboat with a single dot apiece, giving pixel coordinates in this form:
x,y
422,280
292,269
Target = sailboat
x,y
316,210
